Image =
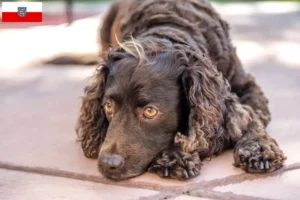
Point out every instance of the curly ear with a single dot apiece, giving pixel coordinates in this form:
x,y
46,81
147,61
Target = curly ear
x,y
92,124
203,86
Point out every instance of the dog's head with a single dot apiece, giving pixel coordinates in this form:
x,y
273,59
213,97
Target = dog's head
x,y
142,95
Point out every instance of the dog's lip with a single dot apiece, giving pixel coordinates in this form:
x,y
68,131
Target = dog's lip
x,y
118,175
113,174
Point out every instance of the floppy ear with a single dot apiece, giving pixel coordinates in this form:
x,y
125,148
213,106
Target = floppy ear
x,y
92,124
203,86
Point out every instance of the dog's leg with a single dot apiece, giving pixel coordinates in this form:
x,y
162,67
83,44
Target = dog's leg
x,y
255,150
174,163
249,92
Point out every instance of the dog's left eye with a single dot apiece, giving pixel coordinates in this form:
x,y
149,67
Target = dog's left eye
x,y
150,112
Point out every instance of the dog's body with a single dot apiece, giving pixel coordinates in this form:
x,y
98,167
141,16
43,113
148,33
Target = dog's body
x,y
172,96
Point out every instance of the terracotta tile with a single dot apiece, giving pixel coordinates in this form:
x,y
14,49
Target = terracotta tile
x,y
27,186
284,186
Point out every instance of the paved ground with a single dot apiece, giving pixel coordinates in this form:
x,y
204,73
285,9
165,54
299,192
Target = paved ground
x,y
40,159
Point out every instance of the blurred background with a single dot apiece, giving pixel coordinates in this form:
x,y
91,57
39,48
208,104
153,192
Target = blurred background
x,y
266,34
259,17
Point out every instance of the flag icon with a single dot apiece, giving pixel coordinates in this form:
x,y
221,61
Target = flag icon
x,y
22,12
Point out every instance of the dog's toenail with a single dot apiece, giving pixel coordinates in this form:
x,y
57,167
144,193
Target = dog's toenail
x,y
267,164
192,173
185,174
166,172
242,158
261,166
250,165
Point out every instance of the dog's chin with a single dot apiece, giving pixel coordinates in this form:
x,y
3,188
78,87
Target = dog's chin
x,y
119,175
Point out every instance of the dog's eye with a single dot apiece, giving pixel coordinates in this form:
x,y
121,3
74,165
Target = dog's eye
x,y
108,108
150,112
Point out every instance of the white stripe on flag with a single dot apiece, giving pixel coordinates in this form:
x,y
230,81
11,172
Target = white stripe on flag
x,y
13,6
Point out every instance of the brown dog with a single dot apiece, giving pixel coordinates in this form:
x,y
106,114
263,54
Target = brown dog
x,y
173,95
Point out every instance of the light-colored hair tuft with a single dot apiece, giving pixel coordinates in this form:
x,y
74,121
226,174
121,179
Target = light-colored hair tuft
x,y
139,48
134,48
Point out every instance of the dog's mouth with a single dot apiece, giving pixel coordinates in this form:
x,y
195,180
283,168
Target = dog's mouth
x,y
118,174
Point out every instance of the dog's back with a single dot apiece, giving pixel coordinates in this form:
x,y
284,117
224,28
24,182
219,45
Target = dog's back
x,y
191,22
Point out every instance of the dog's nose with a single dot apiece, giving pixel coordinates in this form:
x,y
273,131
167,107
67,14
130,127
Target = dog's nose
x,y
111,162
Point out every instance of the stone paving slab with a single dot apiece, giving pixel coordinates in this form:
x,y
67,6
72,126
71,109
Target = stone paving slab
x,y
284,186
26,186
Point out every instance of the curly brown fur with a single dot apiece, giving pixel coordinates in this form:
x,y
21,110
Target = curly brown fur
x,y
92,124
182,62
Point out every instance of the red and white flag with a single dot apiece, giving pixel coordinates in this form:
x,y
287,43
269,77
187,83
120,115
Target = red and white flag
x,y
22,12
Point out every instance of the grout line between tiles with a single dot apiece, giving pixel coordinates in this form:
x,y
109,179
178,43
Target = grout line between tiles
x,y
238,178
85,177
189,189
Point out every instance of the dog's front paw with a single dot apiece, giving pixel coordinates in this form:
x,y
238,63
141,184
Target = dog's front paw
x,y
177,165
258,156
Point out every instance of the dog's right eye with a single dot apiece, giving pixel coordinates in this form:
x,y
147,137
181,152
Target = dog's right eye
x,y
108,108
